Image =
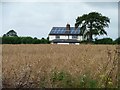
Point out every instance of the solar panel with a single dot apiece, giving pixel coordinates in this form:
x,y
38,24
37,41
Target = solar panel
x,y
75,32
58,31
71,31
72,28
62,30
53,28
78,31
52,31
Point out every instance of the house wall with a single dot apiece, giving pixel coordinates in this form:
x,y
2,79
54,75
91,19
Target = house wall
x,y
52,37
59,43
79,37
64,37
69,43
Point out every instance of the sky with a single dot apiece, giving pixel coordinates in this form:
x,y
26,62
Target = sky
x,y
37,18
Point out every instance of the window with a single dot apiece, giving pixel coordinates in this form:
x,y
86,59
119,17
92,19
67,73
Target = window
x,y
74,37
57,37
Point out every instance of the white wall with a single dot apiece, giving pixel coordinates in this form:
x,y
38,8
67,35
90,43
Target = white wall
x,y
63,37
52,37
68,43
79,37
63,43
77,43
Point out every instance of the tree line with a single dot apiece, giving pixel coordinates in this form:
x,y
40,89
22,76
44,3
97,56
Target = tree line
x,y
11,37
30,40
103,41
24,40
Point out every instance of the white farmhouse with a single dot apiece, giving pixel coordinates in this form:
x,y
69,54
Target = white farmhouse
x,y
65,35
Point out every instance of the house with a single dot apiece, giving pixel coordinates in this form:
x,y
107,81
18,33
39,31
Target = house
x,y
65,35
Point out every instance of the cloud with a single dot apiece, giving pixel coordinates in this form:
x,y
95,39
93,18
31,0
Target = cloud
x,y
110,5
37,18
0,17
59,0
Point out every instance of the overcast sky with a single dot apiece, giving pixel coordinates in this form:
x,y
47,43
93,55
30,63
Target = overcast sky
x,y
36,19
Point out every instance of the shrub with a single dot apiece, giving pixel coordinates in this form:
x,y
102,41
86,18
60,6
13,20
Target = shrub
x,y
87,42
87,81
65,80
117,41
23,40
62,79
104,41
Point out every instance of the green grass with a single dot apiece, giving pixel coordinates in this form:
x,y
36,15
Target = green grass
x,y
65,80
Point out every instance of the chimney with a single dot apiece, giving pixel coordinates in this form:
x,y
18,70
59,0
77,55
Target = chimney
x,y
68,27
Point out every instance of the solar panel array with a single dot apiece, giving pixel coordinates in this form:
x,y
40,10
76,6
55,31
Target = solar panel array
x,y
62,30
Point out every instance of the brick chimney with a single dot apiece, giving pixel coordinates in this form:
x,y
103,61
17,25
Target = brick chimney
x,y
68,27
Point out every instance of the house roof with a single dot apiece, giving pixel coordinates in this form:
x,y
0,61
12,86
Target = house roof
x,y
65,41
63,31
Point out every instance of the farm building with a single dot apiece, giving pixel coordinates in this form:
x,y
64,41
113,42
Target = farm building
x,y
65,35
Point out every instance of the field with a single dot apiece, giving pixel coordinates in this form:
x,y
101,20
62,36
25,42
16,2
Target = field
x,y
59,66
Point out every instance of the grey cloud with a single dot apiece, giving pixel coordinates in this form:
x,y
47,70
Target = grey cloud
x,y
59,0
36,19
103,5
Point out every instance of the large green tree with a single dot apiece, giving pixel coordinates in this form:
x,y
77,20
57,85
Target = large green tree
x,y
91,24
11,33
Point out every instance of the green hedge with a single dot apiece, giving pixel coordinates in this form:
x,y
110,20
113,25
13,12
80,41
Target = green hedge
x,y
104,41
117,41
24,40
30,40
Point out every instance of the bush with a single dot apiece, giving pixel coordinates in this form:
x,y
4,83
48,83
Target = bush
x,y
104,41
86,81
65,80
87,42
62,79
117,41
26,40
10,40
23,40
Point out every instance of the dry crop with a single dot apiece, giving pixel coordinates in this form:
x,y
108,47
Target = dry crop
x,y
32,65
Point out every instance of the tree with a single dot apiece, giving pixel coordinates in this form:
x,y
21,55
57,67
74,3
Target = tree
x,y
10,33
92,24
117,41
104,41
26,40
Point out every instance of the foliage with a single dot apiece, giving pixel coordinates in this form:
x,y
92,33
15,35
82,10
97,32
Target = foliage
x,y
117,41
11,33
65,80
86,81
11,37
92,24
23,40
27,40
87,42
10,40
104,41
62,79
99,41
